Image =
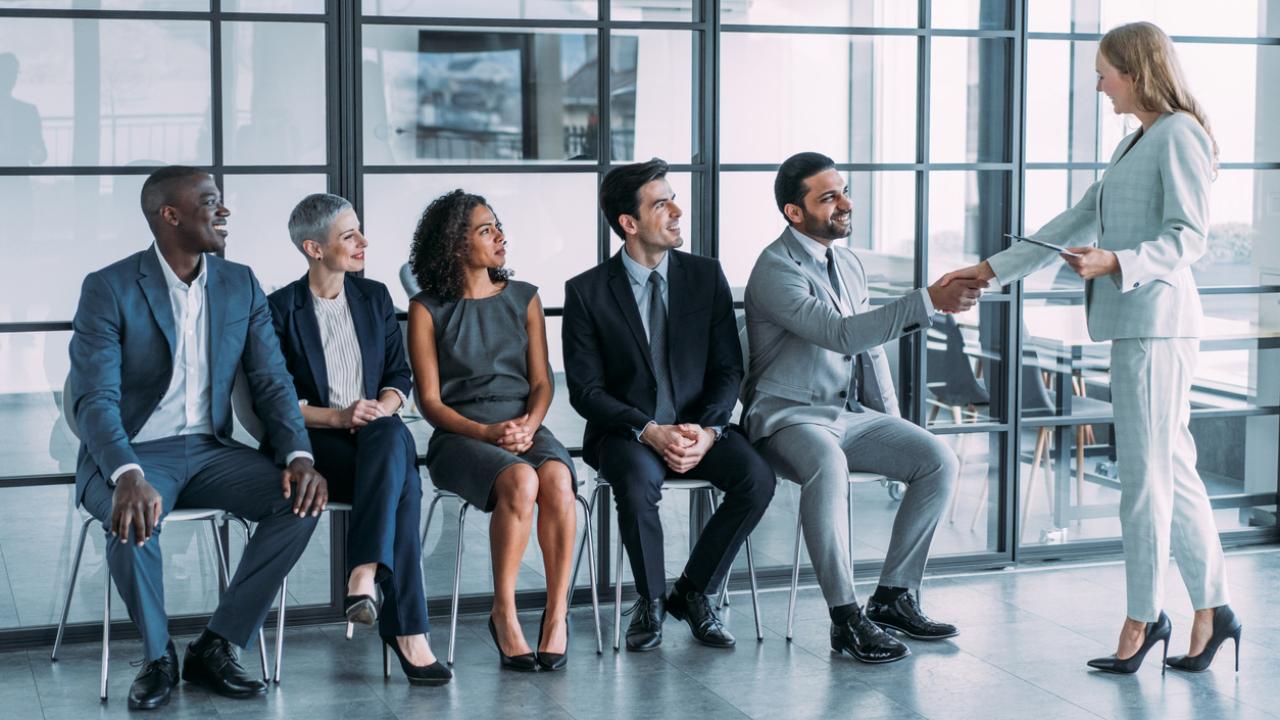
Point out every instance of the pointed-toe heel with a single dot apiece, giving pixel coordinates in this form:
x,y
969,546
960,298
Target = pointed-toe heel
x,y
1225,625
1158,631
550,661
434,674
527,662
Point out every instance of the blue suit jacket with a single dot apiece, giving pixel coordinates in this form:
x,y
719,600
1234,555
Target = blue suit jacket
x,y
381,348
122,359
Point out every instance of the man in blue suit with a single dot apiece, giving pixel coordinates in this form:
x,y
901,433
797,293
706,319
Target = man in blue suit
x,y
158,338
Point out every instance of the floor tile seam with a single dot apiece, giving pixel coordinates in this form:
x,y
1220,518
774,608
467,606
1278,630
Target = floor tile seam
x,y
8,583
1032,683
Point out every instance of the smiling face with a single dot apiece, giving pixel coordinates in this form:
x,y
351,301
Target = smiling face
x,y
827,212
486,243
1116,85
195,217
658,227
343,250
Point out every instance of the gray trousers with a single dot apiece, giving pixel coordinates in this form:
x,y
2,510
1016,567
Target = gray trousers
x,y
820,457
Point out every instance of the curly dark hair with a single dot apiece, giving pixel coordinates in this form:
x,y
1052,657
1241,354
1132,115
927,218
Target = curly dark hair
x,y
439,251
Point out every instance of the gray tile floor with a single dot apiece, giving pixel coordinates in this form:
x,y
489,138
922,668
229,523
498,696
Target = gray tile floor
x,y
1025,637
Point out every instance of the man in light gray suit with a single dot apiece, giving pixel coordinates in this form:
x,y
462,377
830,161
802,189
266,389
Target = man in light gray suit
x,y
819,401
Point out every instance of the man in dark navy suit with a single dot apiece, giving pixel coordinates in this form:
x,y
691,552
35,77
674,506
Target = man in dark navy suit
x,y
158,338
653,363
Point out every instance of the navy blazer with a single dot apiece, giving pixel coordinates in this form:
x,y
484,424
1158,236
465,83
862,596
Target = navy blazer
x,y
293,313
606,353
122,359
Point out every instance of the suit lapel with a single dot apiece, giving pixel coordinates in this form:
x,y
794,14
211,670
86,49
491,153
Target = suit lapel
x,y
156,290
679,295
620,286
362,317
215,307
308,331
809,266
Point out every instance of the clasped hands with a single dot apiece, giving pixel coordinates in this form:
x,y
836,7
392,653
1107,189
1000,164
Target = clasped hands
x,y
136,505
681,446
515,435
361,413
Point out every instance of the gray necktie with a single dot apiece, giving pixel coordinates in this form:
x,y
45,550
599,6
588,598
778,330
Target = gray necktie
x,y
664,412
855,381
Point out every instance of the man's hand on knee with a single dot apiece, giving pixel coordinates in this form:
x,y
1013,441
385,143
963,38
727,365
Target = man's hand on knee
x,y
135,504
311,493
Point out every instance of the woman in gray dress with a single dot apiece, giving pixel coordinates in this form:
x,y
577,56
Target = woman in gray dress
x,y
478,345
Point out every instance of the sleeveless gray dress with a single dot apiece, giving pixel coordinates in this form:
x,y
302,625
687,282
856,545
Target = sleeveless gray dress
x,y
482,348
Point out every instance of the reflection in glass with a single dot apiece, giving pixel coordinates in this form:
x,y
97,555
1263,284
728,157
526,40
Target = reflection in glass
x,y
189,5
981,14
549,221
967,218
274,6
433,95
970,81
652,97
1239,18
523,9
883,226
852,98
964,366
273,103
105,92
970,525
259,222
849,13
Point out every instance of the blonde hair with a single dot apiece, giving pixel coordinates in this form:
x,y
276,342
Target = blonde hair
x,y
1142,51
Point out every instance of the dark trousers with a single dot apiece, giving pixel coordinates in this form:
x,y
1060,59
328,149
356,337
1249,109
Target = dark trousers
x,y
198,471
374,469
635,473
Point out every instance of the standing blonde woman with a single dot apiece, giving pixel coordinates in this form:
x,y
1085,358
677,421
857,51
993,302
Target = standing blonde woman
x,y
1137,232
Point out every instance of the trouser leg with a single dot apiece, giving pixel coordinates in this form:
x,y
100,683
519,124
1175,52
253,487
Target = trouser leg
x,y
635,474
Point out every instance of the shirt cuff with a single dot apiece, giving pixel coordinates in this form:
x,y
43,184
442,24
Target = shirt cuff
x,y
646,427
718,429
404,400
115,476
928,303
299,454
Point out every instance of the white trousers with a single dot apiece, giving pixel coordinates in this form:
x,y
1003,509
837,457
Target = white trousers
x,y
1163,502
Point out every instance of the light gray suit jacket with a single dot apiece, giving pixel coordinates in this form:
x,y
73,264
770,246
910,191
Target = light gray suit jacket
x,y
1151,208
801,345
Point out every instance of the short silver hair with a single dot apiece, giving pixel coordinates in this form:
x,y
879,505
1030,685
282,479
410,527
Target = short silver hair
x,y
313,217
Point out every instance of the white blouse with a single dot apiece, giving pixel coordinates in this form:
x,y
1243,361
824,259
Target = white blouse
x,y
342,359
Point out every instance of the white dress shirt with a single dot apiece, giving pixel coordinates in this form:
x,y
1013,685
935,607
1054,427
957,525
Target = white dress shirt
x,y
186,408
819,253
343,362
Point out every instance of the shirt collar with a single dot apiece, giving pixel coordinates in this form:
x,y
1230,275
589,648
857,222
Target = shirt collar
x,y
815,248
171,278
638,273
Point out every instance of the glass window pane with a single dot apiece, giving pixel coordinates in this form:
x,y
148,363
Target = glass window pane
x,y
1049,192
1240,18
652,96
78,225
36,366
107,92
259,223
191,5
664,11
273,96
851,98
273,6
969,80
457,95
549,241
981,14
967,218
883,226
964,367
524,9
973,515
850,13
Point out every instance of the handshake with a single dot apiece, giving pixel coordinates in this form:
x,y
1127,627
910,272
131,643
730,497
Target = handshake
x,y
959,290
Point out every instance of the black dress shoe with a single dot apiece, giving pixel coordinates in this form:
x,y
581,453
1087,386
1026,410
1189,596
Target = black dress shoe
x,y
434,674
695,609
1225,625
863,640
212,663
645,631
155,681
904,615
550,661
528,662
1160,630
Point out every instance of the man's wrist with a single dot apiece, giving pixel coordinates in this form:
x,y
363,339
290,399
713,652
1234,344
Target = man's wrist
x,y
300,455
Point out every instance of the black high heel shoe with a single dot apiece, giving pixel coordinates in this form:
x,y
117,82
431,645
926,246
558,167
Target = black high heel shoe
x,y
527,662
360,610
1157,631
550,661
434,674
1225,625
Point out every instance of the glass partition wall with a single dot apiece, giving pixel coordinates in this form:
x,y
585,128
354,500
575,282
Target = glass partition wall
x,y
954,123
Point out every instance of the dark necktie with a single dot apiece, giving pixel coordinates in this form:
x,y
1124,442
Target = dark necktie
x,y
664,412
855,380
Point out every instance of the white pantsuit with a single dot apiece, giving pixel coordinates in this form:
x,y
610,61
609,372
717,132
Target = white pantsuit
x,y
1151,209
